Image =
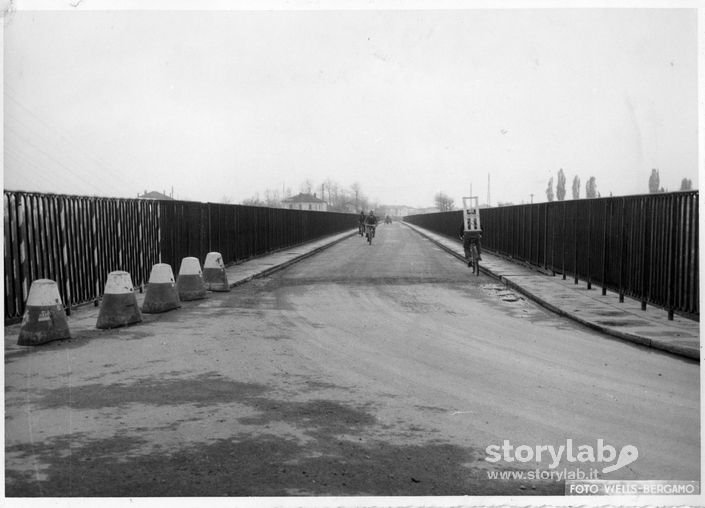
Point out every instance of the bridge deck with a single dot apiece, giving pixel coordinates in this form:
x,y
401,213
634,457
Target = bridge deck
x,y
626,320
605,313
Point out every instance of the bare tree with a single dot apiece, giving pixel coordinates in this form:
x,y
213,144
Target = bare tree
x,y
549,189
332,189
357,193
272,199
444,203
253,201
306,187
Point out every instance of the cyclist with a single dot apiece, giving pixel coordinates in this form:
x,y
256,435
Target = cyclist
x,y
470,237
361,222
371,220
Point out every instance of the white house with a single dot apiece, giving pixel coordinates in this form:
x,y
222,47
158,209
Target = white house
x,y
305,202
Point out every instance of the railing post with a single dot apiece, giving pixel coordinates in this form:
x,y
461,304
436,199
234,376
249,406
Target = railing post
x,y
24,261
92,206
575,246
65,252
530,245
563,242
553,245
589,246
693,234
605,237
622,251
545,236
119,234
210,230
514,242
671,276
645,245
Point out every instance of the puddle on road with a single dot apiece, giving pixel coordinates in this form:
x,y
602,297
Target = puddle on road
x,y
502,292
517,306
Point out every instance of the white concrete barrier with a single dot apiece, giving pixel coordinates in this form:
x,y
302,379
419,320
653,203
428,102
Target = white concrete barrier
x,y
44,317
119,304
161,295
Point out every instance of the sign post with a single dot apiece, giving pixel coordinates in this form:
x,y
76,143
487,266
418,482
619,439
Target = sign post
x,y
471,214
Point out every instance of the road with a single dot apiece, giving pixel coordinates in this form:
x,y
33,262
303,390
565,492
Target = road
x,y
364,370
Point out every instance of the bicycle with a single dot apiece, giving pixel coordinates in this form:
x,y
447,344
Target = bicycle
x,y
473,258
369,232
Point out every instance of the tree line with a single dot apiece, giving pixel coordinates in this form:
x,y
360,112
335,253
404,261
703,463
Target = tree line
x,y
560,193
655,183
337,197
591,186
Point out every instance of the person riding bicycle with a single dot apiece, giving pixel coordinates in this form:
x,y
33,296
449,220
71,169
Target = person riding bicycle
x,y
361,222
371,220
469,238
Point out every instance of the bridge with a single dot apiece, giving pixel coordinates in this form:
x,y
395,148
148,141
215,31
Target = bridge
x,y
334,367
645,247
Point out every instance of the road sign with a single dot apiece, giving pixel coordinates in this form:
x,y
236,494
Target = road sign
x,y
471,214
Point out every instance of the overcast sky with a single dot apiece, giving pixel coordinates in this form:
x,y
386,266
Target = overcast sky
x,y
405,103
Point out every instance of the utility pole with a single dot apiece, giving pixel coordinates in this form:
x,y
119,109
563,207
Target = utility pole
x,y
488,190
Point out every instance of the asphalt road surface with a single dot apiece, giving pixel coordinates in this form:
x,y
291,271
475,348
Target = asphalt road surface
x,y
365,370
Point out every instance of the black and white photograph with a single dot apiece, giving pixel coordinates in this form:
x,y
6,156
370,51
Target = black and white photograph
x,y
352,253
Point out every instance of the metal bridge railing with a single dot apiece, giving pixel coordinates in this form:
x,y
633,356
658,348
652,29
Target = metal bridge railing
x,y
77,240
644,246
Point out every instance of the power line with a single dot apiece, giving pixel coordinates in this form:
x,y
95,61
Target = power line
x,y
79,154
35,152
53,181
51,158
47,141
23,160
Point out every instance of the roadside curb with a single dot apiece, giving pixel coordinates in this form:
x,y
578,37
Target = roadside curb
x,y
669,347
685,351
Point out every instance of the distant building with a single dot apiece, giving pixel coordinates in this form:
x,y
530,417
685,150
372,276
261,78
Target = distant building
x,y
398,211
153,195
305,202
348,207
418,211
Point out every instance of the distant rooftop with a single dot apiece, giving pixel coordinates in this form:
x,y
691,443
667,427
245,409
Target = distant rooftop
x,y
303,198
154,195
